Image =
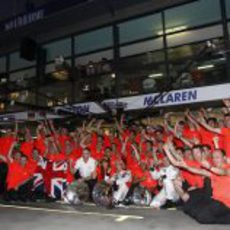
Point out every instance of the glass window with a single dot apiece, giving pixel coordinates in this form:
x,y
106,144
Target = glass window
x,y
58,48
143,73
55,94
196,35
229,27
228,7
53,67
94,57
94,40
24,96
2,64
141,47
193,14
95,88
96,80
16,62
193,65
23,75
140,28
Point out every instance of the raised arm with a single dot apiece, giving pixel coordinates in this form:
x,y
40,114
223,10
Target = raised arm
x,y
185,141
137,154
203,123
124,144
16,129
89,127
3,158
83,140
10,153
190,118
167,124
182,164
52,128
216,170
173,151
99,124
227,104
170,156
119,126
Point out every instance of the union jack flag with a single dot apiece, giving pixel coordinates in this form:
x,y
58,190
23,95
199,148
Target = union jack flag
x,y
51,177
38,185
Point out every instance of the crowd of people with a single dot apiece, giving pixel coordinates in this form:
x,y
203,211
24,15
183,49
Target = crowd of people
x,y
182,162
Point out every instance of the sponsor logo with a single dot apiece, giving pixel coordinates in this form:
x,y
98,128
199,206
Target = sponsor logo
x,y
171,98
24,20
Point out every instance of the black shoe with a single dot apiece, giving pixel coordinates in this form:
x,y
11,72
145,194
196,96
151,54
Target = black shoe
x,y
50,199
169,204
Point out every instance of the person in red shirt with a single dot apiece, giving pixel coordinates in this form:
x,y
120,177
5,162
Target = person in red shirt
x,y
144,176
3,174
19,180
27,146
53,152
194,181
103,170
6,142
62,138
98,152
212,206
71,157
207,152
224,132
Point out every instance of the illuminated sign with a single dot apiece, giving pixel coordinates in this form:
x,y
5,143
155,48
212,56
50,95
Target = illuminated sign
x,y
24,20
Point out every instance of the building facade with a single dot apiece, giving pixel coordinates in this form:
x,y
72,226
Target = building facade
x,y
105,51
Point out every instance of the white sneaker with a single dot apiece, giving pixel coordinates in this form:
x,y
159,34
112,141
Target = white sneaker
x,y
121,206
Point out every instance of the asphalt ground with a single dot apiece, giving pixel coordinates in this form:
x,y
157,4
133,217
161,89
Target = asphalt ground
x,y
57,216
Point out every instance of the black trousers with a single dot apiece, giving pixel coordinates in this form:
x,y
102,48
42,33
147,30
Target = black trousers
x,y
214,213
3,175
204,209
91,183
24,192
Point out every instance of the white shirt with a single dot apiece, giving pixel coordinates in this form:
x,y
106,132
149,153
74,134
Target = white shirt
x,y
122,177
85,168
170,172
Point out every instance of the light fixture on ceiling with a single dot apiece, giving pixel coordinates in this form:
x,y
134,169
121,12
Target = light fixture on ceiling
x,y
204,67
2,106
3,80
50,103
61,74
113,75
61,69
23,96
156,75
12,102
86,88
14,95
172,30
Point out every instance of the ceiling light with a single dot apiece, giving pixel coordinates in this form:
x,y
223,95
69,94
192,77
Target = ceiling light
x,y
3,80
61,74
50,103
172,30
203,67
155,75
3,131
86,88
2,106
12,102
113,75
